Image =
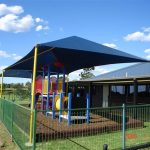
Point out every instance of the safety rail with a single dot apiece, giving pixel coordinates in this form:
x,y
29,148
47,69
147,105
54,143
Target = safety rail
x,y
120,127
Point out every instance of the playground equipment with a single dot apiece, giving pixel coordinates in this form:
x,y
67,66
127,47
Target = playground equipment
x,y
41,92
55,98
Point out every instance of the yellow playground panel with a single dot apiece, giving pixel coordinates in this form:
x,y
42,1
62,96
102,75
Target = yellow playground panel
x,y
57,97
53,86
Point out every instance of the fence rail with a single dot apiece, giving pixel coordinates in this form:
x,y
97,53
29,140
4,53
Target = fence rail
x,y
118,127
16,119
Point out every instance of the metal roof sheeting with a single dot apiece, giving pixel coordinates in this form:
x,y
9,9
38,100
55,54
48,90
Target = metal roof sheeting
x,y
134,71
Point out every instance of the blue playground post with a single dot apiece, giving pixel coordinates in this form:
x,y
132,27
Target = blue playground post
x,y
63,88
48,88
42,100
123,126
57,82
69,108
60,110
35,102
87,107
53,106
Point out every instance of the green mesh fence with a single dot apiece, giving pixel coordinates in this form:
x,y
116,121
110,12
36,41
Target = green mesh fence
x,y
103,126
17,121
138,133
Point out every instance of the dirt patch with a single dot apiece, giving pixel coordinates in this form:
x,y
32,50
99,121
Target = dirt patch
x,y
5,139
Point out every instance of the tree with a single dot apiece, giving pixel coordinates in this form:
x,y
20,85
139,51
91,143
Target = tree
x,y
87,73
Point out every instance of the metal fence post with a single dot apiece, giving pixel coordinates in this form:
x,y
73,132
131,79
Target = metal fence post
x,y
12,112
105,147
34,129
69,108
87,108
123,125
60,109
53,106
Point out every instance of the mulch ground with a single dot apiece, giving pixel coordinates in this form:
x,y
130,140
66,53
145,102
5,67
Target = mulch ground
x,y
6,140
48,129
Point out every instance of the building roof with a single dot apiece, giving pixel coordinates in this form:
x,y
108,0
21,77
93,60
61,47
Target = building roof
x,y
139,70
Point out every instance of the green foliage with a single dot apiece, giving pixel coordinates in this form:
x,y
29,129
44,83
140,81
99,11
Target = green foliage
x,y
86,74
17,91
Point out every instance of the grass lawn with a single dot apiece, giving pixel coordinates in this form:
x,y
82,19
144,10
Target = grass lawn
x,y
114,140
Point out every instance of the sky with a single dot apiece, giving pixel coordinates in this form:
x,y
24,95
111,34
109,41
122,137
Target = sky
x,y
121,24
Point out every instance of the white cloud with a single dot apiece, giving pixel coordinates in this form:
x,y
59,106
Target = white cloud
x,y
4,54
98,70
147,51
40,27
4,9
16,57
75,75
2,67
11,21
146,29
38,20
112,45
141,36
148,57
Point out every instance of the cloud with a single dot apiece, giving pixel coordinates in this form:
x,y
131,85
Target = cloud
x,y
146,29
147,51
40,27
75,75
112,45
11,21
38,20
141,36
4,9
4,54
2,67
16,57
98,70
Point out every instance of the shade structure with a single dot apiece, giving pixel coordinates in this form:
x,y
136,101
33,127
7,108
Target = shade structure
x,y
71,54
19,73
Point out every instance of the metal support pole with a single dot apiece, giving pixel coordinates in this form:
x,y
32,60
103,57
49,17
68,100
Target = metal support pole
x,y
34,129
42,99
69,108
33,92
60,110
63,88
87,108
57,83
35,102
48,88
135,92
123,125
67,85
2,84
53,106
